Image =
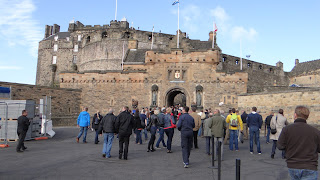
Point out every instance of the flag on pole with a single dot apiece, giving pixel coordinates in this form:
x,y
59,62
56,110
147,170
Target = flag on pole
x,y
215,27
175,2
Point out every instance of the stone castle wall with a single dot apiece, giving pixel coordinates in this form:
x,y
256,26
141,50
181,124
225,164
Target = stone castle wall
x,y
65,103
266,102
308,79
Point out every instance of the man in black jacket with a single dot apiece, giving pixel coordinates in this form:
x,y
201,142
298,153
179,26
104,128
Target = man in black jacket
x,y
23,126
302,145
124,125
267,126
107,127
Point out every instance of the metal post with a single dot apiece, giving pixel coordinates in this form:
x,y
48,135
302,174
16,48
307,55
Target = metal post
x,y
6,126
212,156
219,160
238,169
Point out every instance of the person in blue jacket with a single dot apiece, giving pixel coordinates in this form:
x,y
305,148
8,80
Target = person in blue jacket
x,y
186,125
84,123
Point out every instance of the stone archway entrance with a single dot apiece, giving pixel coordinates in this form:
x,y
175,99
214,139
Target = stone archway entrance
x,y
176,96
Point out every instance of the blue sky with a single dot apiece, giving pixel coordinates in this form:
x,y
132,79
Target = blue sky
x,y
270,31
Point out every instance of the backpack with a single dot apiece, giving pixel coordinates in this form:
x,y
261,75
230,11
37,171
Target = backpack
x,y
234,120
96,121
143,124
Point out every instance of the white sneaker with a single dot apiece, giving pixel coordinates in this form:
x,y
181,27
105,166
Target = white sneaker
x,y
185,165
251,152
259,153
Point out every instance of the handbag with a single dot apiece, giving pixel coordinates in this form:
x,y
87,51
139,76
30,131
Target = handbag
x,y
274,131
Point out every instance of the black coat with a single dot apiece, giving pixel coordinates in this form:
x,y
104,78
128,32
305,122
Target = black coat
x,y
94,125
124,124
107,124
23,124
154,120
138,121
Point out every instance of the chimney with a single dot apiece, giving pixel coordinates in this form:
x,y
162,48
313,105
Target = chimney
x,y
280,64
46,32
56,29
297,62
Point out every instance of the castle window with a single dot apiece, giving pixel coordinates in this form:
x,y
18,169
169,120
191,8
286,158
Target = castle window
x,y
249,64
270,69
74,60
237,62
170,38
260,67
88,39
104,35
54,59
224,59
56,38
150,37
55,47
79,37
76,48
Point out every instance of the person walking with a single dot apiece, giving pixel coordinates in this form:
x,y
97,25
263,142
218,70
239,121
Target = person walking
x,y
169,125
186,125
254,121
267,126
235,123
197,122
217,126
144,117
124,126
22,129
207,132
153,126
139,126
244,116
161,130
278,122
97,117
84,123
301,143
107,127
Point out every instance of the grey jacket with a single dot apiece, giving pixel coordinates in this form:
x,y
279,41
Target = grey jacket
x,y
280,123
207,130
217,125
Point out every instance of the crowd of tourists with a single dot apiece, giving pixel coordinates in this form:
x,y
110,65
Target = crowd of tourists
x,y
298,142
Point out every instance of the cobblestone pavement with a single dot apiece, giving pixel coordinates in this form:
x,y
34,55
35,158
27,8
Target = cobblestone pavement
x,y
62,158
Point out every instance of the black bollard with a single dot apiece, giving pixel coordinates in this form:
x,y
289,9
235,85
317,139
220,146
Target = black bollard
x,y
219,160
238,169
212,155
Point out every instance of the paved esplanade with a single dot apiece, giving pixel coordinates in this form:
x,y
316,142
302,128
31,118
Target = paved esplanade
x,y
62,158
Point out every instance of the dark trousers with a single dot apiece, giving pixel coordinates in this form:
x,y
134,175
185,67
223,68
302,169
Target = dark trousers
x,y
22,136
195,139
96,139
169,132
153,131
186,143
123,140
274,146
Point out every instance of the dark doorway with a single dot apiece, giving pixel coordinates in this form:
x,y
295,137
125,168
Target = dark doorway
x,y
175,97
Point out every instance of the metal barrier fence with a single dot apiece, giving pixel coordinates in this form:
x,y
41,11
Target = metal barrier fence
x,y
38,114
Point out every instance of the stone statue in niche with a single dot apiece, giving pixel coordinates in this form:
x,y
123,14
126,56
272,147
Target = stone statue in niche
x,y
199,98
154,98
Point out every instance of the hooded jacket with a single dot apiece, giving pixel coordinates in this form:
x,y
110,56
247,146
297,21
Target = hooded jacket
x,y
83,119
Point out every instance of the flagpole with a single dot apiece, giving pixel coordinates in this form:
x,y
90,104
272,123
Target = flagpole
x,y
213,31
240,55
115,16
152,37
178,26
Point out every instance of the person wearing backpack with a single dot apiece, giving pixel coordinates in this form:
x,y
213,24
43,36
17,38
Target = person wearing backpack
x,y
161,130
254,122
97,117
235,123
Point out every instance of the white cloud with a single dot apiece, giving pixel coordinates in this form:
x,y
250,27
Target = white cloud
x,y
239,32
17,25
10,68
191,15
220,14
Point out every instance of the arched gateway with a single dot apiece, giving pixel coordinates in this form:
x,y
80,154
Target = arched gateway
x,y
176,95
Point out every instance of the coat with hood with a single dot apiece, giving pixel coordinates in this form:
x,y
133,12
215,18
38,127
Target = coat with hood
x,y
83,119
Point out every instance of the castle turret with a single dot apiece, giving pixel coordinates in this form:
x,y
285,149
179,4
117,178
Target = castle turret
x,y
124,23
297,62
280,65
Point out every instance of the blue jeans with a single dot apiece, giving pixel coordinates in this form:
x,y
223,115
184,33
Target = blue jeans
x,y
96,139
161,138
169,132
303,174
268,134
107,144
233,139
254,132
83,130
145,133
274,146
138,136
